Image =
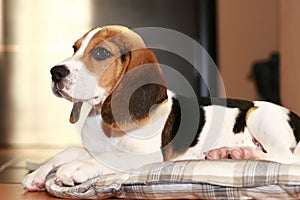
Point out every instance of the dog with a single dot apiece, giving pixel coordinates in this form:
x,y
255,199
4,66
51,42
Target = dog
x,y
112,70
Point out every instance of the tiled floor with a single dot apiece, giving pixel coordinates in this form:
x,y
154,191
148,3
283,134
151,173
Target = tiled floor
x,y
13,169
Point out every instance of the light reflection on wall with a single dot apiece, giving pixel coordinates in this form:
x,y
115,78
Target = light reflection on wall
x,y
41,34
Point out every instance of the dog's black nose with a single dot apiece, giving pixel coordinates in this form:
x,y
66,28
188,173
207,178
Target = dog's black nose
x,y
58,73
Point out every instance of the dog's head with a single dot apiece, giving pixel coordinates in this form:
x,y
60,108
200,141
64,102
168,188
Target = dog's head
x,y
111,66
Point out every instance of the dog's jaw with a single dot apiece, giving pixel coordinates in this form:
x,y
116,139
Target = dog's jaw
x,y
93,99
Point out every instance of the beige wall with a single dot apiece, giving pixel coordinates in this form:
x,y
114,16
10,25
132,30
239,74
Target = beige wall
x,y
248,31
290,53
40,118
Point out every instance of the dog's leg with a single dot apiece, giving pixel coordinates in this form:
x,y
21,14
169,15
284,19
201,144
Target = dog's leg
x,y
35,181
269,125
78,171
103,163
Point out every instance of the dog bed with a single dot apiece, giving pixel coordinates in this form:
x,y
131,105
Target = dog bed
x,y
200,179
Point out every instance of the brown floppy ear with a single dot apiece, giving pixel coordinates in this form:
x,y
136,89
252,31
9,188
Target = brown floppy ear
x,y
75,113
141,89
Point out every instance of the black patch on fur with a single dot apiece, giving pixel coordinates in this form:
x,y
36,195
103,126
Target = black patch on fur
x,y
240,121
242,105
123,53
183,125
123,58
294,122
200,126
186,114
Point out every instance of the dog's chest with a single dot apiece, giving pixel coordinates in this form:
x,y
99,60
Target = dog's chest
x,y
143,139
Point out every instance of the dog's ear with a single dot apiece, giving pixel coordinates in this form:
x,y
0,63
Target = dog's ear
x,y
141,89
75,113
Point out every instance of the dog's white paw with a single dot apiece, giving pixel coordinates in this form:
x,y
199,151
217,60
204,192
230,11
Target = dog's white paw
x,y
35,181
79,171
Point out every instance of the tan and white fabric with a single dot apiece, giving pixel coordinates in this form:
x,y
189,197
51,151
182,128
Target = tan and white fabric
x,y
201,179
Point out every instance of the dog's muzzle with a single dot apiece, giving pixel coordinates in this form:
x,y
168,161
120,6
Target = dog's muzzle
x,y
58,73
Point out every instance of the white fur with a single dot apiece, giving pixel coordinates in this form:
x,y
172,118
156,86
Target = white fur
x,y
269,125
217,132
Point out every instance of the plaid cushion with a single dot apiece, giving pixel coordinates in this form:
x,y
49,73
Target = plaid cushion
x,y
195,179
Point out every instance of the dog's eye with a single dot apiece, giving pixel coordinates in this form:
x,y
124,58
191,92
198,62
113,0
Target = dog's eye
x,y
100,53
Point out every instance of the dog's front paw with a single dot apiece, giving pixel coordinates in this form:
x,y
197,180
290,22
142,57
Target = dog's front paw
x,y
35,181
79,171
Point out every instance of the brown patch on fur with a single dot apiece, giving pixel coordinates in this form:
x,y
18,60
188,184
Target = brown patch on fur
x,y
119,41
78,43
250,110
107,35
109,71
138,93
167,147
168,153
109,132
169,132
106,130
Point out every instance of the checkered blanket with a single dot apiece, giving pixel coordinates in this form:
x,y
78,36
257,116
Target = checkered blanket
x,y
201,179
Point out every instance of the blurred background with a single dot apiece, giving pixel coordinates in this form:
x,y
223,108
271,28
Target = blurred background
x,y
254,43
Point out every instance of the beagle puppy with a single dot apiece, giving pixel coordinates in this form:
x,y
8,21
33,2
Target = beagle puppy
x,y
134,113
